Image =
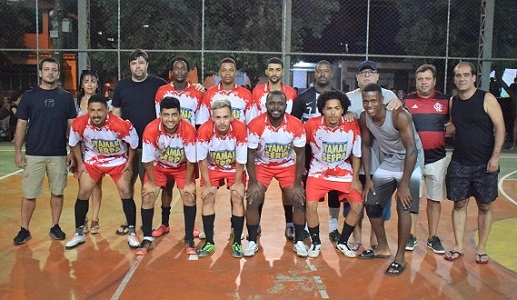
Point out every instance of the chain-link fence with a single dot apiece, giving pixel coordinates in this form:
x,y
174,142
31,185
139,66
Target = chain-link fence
x,y
398,35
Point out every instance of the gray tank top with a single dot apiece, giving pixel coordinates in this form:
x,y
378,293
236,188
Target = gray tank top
x,y
392,149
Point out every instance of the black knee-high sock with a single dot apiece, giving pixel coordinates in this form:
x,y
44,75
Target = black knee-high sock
x,y
147,221
208,226
238,224
80,210
189,213
252,232
298,232
345,234
315,234
166,212
288,213
129,207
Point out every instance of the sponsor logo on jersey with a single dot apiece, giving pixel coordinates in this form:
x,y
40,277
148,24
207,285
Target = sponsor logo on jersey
x,y
223,158
173,154
106,147
276,151
187,113
334,151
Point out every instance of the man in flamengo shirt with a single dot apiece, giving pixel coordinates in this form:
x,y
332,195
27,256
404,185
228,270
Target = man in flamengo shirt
x,y
221,147
274,71
276,149
169,155
108,146
190,97
243,106
335,164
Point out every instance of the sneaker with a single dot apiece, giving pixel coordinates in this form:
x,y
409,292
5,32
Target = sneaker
x,y
411,243
435,244
195,232
343,248
251,249
334,236
56,233
76,240
314,250
300,248
289,232
190,247
202,235
161,230
23,236
144,247
132,240
237,250
207,249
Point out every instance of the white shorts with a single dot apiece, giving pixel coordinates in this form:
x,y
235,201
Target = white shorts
x,y
434,178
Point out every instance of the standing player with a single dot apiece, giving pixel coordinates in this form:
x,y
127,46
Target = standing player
x,y
169,154
430,111
102,144
335,164
50,110
276,149
274,71
243,106
221,152
190,98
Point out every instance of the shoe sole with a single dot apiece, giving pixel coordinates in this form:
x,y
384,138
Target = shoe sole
x,y
410,248
250,254
436,251
347,255
24,241
72,247
56,238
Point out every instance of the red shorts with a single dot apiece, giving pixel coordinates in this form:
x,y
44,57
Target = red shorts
x,y
97,172
217,178
317,188
284,175
162,176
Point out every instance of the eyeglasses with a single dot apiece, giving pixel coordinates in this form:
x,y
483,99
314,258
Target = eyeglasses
x,y
367,72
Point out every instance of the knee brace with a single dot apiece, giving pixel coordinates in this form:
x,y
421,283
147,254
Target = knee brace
x,y
373,210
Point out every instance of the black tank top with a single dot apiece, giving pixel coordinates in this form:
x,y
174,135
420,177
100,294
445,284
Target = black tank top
x,y
474,137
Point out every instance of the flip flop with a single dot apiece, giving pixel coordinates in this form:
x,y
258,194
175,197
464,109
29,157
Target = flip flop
x,y
395,269
480,259
452,255
369,254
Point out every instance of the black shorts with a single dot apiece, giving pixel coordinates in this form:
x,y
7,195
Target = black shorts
x,y
464,181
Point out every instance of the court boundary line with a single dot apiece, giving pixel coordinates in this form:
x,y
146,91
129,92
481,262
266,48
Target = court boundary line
x,y
500,187
123,284
11,174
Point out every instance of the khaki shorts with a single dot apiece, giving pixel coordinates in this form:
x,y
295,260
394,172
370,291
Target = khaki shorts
x,y
34,173
434,178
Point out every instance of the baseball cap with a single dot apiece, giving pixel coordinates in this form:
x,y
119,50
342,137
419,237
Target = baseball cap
x,y
367,64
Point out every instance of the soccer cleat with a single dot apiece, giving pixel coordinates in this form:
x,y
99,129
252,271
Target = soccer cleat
x,y
207,249
56,233
334,236
237,250
435,244
76,240
251,249
411,243
289,232
343,248
22,237
190,247
144,247
300,248
161,230
314,250
132,240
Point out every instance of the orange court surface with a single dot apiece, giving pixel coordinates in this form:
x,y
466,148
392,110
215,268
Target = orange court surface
x,y
104,267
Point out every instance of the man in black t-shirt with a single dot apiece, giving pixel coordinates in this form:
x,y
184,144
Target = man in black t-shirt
x,y
47,111
133,100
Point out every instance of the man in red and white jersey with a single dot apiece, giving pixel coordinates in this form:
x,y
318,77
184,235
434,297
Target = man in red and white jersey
x,y
221,147
335,164
276,149
190,97
169,155
103,143
244,108
274,71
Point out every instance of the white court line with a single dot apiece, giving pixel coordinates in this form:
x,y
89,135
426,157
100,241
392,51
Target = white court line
x,y
126,279
500,187
11,174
